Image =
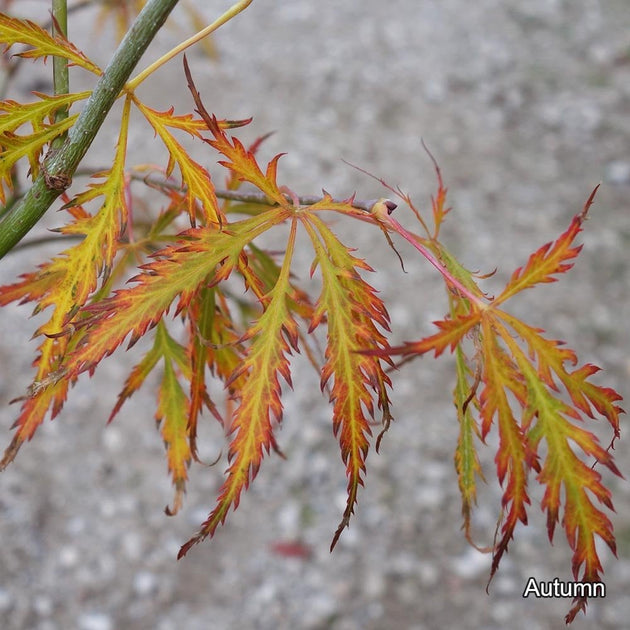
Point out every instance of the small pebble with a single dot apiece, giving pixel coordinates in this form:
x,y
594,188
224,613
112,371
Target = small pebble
x,y
95,621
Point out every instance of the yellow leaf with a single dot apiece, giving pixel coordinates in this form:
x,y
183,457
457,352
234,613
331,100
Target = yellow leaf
x,y
274,334
16,147
194,176
352,311
16,31
17,114
66,284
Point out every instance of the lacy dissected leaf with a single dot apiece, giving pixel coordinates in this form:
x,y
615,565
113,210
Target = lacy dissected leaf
x,y
468,378
213,344
103,230
545,416
450,335
261,272
65,284
15,147
514,458
232,181
172,414
17,114
550,259
353,313
16,31
467,462
179,271
551,357
172,410
45,393
554,422
273,336
196,178
241,161
217,333
438,203
519,382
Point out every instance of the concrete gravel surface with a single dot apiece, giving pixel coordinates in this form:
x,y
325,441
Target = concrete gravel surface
x,y
526,106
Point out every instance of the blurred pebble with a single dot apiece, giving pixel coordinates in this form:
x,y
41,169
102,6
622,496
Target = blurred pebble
x,y
113,439
374,584
428,573
144,583
43,606
617,172
6,600
321,608
95,621
68,556
471,564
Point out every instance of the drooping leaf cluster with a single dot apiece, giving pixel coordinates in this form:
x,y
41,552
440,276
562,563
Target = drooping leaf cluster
x,y
532,391
190,255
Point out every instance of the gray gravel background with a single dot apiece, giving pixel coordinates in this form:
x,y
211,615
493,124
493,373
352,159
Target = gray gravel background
x,y
526,105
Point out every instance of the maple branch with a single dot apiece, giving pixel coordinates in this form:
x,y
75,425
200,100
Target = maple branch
x,y
60,165
250,197
305,200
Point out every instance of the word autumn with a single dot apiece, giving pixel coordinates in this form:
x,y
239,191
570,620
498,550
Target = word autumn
x,y
558,588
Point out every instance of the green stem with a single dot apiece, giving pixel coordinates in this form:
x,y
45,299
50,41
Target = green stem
x,y
61,164
61,79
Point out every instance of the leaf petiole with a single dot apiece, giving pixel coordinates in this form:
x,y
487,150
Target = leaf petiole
x,y
233,11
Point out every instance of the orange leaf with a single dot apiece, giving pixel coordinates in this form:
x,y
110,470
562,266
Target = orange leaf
x,y
550,259
179,271
240,161
274,334
452,332
196,178
352,312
